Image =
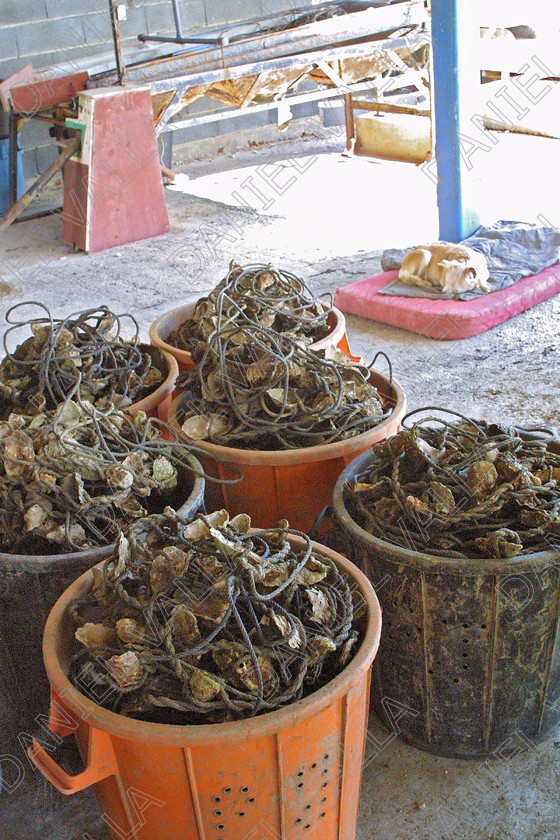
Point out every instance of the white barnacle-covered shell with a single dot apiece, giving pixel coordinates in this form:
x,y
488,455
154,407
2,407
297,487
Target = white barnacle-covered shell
x,y
119,478
321,609
68,414
203,686
196,427
75,534
18,454
184,627
95,635
320,646
313,572
283,626
126,669
129,631
162,571
241,523
219,425
123,554
164,472
34,517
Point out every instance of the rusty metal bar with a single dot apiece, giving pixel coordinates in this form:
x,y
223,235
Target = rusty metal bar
x,y
349,120
117,41
360,26
391,109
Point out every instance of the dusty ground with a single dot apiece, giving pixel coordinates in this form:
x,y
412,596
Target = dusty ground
x,y
328,217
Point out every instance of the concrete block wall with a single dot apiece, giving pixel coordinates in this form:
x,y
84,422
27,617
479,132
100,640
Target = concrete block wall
x,y
51,32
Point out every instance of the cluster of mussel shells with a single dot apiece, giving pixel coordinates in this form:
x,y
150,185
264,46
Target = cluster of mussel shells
x,y
174,642
468,488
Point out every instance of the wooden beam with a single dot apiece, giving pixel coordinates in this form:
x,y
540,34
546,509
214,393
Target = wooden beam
x,y
26,99
18,208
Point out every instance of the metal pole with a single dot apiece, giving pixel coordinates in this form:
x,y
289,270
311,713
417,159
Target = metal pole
x,y
13,156
456,81
117,40
177,16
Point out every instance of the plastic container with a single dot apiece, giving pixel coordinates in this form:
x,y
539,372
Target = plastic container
x,y
157,403
29,587
291,773
5,175
470,655
292,484
163,326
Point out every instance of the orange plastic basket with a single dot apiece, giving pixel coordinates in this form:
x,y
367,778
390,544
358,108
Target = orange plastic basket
x,y
287,774
292,484
165,324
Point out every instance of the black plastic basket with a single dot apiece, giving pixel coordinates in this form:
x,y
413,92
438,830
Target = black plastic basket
x,y
469,661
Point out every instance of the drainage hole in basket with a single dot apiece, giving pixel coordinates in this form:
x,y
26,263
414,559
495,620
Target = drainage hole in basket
x,y
245,789
324,799
218,813
465,641
299,820
307,826
326,757
220,826
325,784
323,814
455,680
217,799
325,772
241,813
300,785
465,667
251,799
308,807
466,626
314,765
430,670
300,774
227,790
444,621
483,626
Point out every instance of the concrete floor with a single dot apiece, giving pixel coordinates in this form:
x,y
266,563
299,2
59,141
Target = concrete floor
x,y
327,218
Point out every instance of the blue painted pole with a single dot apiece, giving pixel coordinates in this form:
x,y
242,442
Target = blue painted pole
x,y
456,81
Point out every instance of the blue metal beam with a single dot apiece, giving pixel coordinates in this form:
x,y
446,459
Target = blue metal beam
x,y
456,80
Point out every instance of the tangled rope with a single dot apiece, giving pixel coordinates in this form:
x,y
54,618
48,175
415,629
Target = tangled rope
x,y
210,621
460,488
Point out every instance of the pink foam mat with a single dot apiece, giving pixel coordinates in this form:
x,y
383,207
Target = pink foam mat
x,y
446,319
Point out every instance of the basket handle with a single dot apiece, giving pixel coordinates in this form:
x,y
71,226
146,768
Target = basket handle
x,y
101,764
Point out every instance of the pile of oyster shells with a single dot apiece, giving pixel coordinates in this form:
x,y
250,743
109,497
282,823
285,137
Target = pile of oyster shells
x,y
85,351
206,621
68,480
259,294
73,466
461,488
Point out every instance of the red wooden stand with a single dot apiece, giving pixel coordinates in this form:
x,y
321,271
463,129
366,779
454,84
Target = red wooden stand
x,y
113,191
